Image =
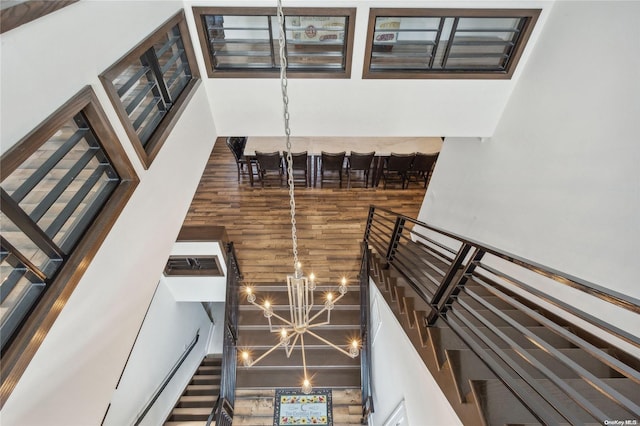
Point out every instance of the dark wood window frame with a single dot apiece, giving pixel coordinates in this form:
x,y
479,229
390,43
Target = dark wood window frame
x,y
149,150
195,265
349,13
27,11
19,352
531,16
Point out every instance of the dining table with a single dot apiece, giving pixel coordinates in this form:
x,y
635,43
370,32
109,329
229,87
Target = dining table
x,y
383,146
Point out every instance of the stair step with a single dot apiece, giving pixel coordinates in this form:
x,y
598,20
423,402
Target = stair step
x,y
445,338
209,369
340,319
280,298
190,414
330,378
497,402
202,390
325,357
186,401
261,339
465,365
205,379
188,423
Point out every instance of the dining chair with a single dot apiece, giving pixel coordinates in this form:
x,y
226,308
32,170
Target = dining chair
x,y
422,167
269,166
236,146
300,161
359,162
397,167
331,167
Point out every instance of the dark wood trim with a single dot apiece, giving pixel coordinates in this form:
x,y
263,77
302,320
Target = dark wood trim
x,y
350,13
200,233
25,344
160,134
22,13
531,15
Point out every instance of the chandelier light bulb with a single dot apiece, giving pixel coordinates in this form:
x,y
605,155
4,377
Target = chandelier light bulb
x,y
268,311
343,286
251,297
306,387
329,303
246,359
354,348
284,338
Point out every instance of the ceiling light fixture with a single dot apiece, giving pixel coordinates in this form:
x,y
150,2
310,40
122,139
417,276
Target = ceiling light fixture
x,y
300,289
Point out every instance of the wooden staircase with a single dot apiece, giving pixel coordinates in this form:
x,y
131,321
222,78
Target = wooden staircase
x,y
473,389
199,397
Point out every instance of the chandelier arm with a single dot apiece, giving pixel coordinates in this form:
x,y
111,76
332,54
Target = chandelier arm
x,y
322,339
304,358
292,346
273,348
263,309
324,309
318,324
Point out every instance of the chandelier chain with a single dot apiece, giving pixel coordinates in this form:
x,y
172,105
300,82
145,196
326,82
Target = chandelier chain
x,y
287,131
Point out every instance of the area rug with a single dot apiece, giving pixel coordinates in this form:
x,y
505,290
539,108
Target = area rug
x,y
293,407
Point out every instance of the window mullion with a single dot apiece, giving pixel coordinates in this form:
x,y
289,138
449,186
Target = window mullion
x,y
152,61
271,47
22,220
454,28
436,46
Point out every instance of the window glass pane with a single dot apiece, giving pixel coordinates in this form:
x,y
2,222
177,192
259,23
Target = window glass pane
x,y
315,42
173,63
63,184
141,97
445,43
239,41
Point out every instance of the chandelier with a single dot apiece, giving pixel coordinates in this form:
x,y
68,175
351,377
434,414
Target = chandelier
x,y
304,314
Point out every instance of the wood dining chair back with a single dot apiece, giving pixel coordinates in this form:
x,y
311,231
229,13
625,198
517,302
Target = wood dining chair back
x,y
422,167
269,166
331,167
397,167
236,146
359,162
299,167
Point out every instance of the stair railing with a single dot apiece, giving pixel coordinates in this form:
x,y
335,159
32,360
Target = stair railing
x,y
167,379
365,325
222,412
470,294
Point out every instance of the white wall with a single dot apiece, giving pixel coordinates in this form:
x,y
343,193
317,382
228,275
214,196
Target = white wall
x,y
169,328
400,374
72,377
357,107
559,182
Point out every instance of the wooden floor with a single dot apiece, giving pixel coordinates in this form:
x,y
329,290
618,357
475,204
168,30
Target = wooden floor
x,y
330,221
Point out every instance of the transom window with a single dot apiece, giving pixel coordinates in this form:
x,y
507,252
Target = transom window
x,y
446,43
148,85
244,42
61,186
